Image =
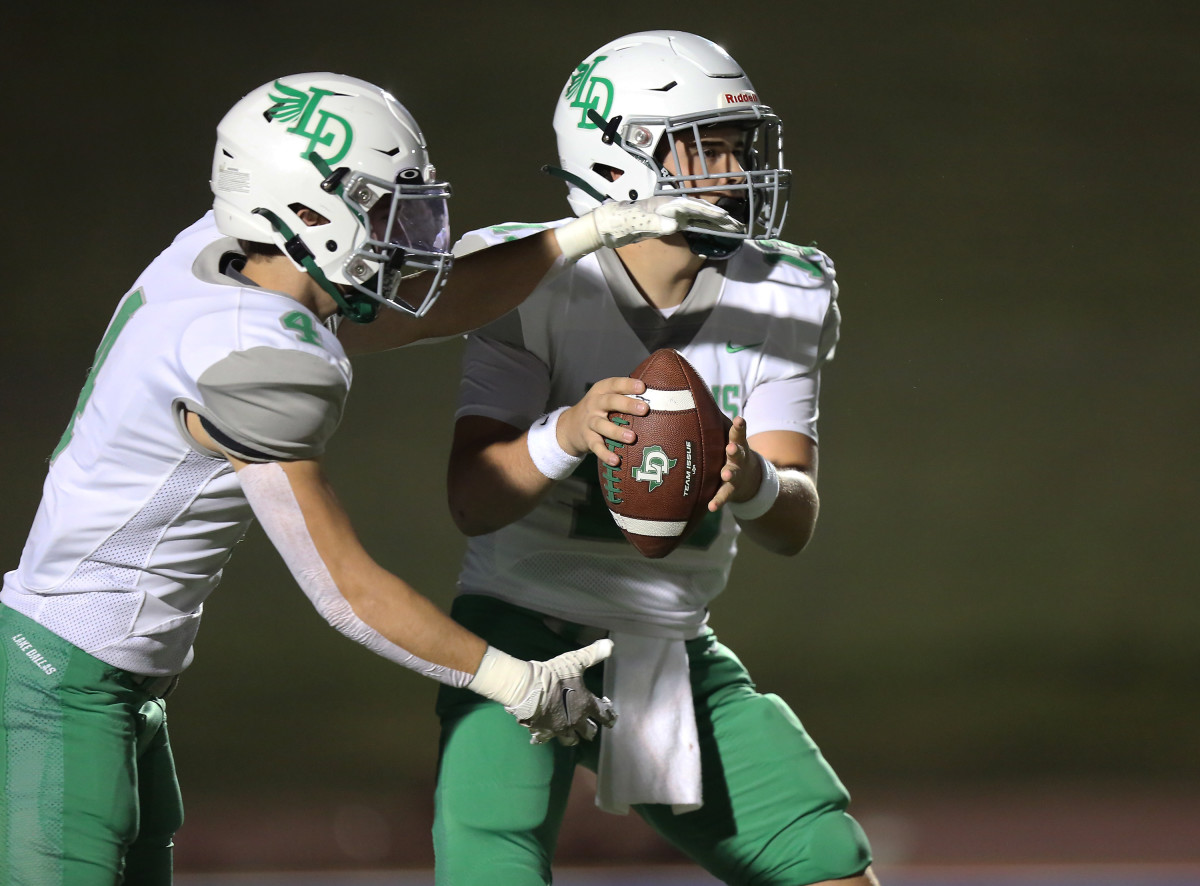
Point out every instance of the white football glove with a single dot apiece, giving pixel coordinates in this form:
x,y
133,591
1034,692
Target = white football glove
x,y
615,224
547,697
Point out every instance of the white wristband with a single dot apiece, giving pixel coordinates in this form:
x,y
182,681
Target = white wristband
x,y
762,501
501,677
578,237
548,457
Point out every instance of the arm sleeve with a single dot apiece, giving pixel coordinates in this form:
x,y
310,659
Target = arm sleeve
x,y
270,495
482,238
270,404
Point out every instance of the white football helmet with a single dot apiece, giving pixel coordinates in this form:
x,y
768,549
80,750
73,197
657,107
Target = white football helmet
x,y
349,151
627,105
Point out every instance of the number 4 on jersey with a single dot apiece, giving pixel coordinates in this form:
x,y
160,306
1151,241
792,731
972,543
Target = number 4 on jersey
x,y
127,309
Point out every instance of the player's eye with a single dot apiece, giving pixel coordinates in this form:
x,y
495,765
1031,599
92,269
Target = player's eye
x,y
379,217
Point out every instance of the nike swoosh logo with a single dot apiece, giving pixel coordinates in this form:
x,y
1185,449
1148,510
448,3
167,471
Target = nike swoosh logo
x,y
731,348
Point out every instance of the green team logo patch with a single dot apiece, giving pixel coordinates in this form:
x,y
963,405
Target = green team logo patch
x,y
326,134
654,467
585,91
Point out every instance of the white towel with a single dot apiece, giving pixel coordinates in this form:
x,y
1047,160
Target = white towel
x,y
652,754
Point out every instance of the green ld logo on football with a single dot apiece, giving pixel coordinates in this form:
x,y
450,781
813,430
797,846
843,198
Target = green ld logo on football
x,y
654,467
585,91
320,129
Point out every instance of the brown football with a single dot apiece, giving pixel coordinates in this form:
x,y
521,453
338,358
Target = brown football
x,y
660,491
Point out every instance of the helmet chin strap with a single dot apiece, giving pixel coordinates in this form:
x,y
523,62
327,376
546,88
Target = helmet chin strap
x,y
572,178
355,307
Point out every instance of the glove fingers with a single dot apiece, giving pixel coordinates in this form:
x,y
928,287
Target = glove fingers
x,y
692,210
575,662
604,714
587,730
720,220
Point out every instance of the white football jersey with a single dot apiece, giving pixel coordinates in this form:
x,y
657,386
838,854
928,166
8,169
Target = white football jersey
x,y
136,522
757,328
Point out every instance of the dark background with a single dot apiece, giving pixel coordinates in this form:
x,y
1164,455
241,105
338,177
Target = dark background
x,y
997,617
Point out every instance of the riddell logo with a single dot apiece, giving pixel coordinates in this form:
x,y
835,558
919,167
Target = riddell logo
x,y
739,98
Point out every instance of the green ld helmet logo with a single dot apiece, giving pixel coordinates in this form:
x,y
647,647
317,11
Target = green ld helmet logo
x,y
654,467
320,129
586,91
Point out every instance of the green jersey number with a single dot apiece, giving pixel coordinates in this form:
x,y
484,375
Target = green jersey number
x,y
727,397
128,308
301,324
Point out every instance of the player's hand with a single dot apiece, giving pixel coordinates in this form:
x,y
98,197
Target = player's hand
x,y
615,224
742,473
620,224
586,427
558,705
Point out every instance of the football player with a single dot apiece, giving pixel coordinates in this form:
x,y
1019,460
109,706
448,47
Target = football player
x,y
210,402
726,774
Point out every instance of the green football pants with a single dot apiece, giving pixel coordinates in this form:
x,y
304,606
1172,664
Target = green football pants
x,y
773,814
90,796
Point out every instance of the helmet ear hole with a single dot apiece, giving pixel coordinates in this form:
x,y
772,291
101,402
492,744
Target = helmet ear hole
x,y
605,171
310,217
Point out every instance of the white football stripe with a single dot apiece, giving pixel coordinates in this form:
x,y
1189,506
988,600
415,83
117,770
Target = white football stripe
x,y
668,401
657,528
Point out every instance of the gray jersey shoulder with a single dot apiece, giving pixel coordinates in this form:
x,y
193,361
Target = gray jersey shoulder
x,y
268,404
268,380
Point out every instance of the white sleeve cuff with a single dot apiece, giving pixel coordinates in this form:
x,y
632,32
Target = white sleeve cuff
x,y
578,237
501,677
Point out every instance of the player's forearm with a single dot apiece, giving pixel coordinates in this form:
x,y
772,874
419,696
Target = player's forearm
x,y
789,524
492,487
404,617
298,510
481,287
491,282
